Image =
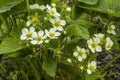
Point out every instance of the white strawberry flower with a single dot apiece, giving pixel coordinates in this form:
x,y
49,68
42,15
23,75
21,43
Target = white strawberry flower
x,y
52,11
109,43
27,34
34,6
93,44
100,36
38,38
52,33
111,29
57,23
91,67
80,53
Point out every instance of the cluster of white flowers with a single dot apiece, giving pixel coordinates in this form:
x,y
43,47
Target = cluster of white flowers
x,y
34,37
54,19
94,43
37,6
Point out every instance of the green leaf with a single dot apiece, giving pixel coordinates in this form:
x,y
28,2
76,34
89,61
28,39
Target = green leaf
x,y
19,9
76,11
77,30
17,31
6,5
89,1
10,45
82,21
50,67
109,7
12,55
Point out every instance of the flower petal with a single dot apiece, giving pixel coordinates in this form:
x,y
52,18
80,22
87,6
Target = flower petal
x,y
75,54
40,42
89,71
63,22
57,34
97,40
52,21
93,63
40,33
92,49
24,30
34,42
28,23
22,37
99,49
32,29
84,56
80,58
60,28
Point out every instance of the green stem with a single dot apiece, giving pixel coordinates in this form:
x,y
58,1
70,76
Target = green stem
x,y
1,32
3,69
24,74
28,6
107,65
35,72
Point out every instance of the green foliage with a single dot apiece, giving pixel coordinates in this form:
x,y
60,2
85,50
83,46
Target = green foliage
x,y
76,11
110,7
77,30
50,67
69,69
43,1
11,55
89,2
6,5
10,45
96,75
54,58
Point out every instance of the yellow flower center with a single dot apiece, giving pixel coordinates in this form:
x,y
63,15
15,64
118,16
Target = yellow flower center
x,y
80,52
29,34
52,12
34,20
39,38
108,46
110,29
94,44
91,67
101,39
52,34
57,23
